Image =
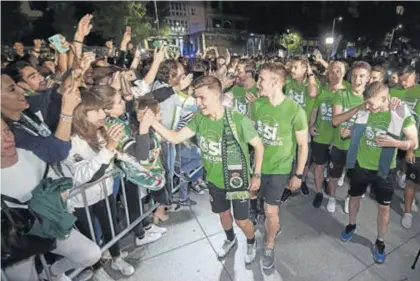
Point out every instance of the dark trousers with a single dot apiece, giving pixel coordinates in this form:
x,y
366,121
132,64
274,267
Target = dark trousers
x,y
134,212
99,210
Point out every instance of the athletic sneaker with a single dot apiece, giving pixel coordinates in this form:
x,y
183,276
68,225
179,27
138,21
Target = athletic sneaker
x,y
226,247
347,234
197,188
341,179
153,228
149,237
61,277
188,202
101,275
401,179
286,194
331,205
122,266
379,252
318,200
407,220
414,206
268,258
251,252
346,205
85,275
304,188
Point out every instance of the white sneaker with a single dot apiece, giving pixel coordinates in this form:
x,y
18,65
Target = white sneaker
x,y
407,220
251,252
156,229
226,247
122,266
346,205
101,275
85,275
331,205
149,237
364,195
401,179
107,255
61,277
341,179
414,206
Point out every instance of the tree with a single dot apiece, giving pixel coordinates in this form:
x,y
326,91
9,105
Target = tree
x,y
15,24
110,19
64,21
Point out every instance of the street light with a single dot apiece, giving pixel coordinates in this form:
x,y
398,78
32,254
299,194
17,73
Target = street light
x,y
329,40
400,26
333,28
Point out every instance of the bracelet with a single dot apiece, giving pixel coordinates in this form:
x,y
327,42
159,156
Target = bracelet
x,y
36,51
75,41
66,117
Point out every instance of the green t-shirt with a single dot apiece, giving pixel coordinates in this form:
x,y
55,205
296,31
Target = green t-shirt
x,y
323,122
347,101
369,153
417,111
276,126
239,92
397,92
299,93
209,138
412,96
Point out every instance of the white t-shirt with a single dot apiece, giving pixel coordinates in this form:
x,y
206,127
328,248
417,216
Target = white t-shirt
x,y
19,180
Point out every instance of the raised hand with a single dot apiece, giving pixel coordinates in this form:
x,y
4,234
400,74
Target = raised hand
x,y
85,26
71,94
115,133
37,44
87,60
185,81
109,44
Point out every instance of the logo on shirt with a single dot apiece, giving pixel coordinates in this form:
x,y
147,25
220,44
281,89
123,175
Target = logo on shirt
x,y
297,96
326,112
372,131
211,147
268,129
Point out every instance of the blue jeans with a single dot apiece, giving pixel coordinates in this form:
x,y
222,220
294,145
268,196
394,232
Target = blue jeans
x,y
190,160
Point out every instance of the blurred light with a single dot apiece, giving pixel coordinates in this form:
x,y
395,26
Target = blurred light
x,y
340,18
329,40
400,26
142,50
288,30
360,38
252,34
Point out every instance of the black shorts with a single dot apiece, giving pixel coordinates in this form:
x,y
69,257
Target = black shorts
x,y
220,204
320,153
337,162
413,172
272,187
383,188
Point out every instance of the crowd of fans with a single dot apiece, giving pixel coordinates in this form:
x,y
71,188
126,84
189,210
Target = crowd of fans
x,y
79,115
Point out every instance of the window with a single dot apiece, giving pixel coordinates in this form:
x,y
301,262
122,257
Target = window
x,y
192,11
172,5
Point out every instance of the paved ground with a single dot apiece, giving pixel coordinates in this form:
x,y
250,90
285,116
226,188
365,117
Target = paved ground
x,y
307,249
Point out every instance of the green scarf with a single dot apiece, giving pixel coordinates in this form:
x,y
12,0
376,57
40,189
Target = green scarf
x,y
235,167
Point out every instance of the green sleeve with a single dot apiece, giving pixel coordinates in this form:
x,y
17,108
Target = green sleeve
x,y
409,121
300,122
194,123
248,130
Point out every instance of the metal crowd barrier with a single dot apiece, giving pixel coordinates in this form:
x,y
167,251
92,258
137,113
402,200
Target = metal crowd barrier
x,y
117,173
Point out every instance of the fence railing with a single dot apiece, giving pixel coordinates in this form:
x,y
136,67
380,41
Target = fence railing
x,y
116,173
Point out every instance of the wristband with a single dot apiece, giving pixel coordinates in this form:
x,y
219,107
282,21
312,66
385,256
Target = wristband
x,y
66,117
299,176
36,51
257,175
75,41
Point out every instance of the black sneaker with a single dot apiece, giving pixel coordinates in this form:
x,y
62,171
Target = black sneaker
x,y
286,194
318,200
304,188
253,215
326,189
187,203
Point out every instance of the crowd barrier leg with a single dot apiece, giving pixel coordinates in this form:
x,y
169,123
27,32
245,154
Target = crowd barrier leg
x,y
108,209
3,276
89,218
127,216
46,266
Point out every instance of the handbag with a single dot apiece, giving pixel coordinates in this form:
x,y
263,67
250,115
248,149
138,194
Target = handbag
x,y
16,244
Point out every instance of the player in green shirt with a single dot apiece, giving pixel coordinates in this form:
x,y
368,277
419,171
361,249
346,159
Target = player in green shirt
x,y
412,159
246,90
377,74
321,127
281,124
223,136
369,147
343,120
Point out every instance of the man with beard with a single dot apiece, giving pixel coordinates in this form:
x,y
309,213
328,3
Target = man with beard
x,y
371,157
303,88
281,124
223,136
343,120
245,91
322,130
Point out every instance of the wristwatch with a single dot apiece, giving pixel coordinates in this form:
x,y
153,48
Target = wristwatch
x,y
257,175
299,176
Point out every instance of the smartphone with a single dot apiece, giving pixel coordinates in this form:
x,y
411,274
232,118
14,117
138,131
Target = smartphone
x,y
56,41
